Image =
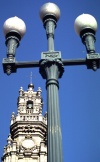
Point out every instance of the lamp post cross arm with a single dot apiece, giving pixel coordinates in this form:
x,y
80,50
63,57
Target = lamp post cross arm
x,y
92,61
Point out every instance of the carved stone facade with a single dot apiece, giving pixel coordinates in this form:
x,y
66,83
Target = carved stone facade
x,y
27,139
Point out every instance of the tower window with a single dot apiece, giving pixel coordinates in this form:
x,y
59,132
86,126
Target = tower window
x,y
29,104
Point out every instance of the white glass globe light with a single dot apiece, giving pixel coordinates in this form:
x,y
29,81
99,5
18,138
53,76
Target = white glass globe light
x,y
85,21
50,9
14,24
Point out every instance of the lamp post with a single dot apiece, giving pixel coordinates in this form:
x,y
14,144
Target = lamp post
x,y
51,65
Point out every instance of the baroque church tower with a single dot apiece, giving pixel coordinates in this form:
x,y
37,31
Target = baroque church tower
x,y
27,139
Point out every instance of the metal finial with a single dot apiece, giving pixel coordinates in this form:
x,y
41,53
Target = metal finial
x,y
31,84
31,78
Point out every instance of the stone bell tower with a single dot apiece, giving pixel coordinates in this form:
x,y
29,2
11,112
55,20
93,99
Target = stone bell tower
x,y
27,139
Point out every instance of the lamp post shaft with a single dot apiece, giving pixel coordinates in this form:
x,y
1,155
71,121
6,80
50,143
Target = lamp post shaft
x,y
50,26
54,129
51,69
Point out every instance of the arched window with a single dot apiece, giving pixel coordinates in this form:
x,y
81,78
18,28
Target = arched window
x,y
29,104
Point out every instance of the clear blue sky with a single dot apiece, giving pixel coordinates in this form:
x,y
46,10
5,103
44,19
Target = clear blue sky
x,y
79,92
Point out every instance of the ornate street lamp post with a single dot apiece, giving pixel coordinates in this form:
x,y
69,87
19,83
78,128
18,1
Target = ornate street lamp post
x,y
51,64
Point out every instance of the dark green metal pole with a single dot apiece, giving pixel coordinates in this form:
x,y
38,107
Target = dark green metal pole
x,y
51,68
54,128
